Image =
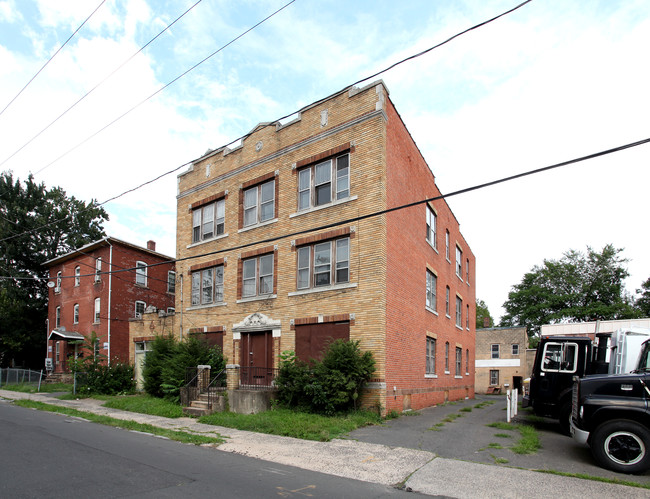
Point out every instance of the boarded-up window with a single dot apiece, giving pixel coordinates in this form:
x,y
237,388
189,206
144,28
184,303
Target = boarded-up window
x,y
212,339
311,339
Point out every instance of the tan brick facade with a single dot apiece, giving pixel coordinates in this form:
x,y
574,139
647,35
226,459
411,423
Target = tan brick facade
x,y
494,354
381,295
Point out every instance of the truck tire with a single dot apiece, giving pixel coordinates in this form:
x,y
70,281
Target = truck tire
x,y
622,445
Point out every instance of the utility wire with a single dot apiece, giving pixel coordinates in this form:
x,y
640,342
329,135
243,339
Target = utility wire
x,y
98,85
279,119
390,210
164,87
50,59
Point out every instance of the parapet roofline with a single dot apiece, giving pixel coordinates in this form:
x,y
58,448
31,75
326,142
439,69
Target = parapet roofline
x,y
352,90
106,241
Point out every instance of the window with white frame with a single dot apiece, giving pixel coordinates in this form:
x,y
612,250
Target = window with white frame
x,y
141,274
77,276
58,282
447,292
57,319
75,316
58,352
459,311
324,182
171,281
171,310
207,286
447,245
97,310
140,307
459,361
324,264
98,269
494,377
494,349
515,349
467,270
447,357
431,356
259,203
208,221
459,262
257,276
467,361
432,226
467,318
432,283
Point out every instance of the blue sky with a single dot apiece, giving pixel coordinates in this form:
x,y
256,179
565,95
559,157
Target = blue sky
x,y
552,81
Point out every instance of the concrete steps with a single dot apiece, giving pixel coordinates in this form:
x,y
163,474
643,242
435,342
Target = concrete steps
x,y
201,406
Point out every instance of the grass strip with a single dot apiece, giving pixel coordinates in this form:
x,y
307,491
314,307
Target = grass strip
x,y
145,404
178,436
584,476
295,424
33,387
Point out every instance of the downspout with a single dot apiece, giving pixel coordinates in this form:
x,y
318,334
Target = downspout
x,y
181,321
110,294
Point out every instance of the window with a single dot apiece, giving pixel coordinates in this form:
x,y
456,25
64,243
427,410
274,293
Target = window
x,y
207,286
58,282
140,307
323,264
58,352
494,377
96,348
459,361
467,361
324,182
259,203
432,227
447,357
432,282
141,273
560,357
77,276
447,245
171,282
447,301
171,310
208,221
431,356
257,276
97,309
467,318
515,349
495,351
75,318
459,262
98,269
459,312
467,270
57,320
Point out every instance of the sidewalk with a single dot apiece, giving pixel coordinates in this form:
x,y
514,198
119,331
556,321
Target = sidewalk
x,y
421,471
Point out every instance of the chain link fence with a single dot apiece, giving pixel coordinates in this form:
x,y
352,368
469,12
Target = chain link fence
x,y
15,376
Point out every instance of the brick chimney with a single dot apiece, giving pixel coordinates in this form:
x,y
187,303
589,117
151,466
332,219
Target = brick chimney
x,y
151,245
486,320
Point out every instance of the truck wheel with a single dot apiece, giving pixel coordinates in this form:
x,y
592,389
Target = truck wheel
x,y
565,418
622,445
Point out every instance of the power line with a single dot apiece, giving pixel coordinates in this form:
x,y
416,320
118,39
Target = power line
x,y
50,59
175,169
98,85
395,208
164,87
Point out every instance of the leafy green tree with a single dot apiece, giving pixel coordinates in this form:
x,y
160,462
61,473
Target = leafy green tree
x,y
36,225
578,287
643,302
483,313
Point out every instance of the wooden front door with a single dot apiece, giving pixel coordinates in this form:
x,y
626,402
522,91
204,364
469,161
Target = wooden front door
x,y
256,358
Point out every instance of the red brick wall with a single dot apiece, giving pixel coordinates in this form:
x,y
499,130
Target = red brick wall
x,y
408,322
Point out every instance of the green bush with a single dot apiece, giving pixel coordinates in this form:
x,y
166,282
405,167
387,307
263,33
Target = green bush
x,y
329,386
166,364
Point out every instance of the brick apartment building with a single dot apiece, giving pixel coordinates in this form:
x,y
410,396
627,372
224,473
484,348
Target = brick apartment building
x,y
501,358
92,291
283,251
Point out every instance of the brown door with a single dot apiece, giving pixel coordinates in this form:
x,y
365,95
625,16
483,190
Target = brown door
x,y
256,358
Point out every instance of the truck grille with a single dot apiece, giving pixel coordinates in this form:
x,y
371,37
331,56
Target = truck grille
x,y
574,399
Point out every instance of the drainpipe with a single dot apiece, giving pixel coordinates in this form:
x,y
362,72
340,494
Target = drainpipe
x,y
110,293
181,321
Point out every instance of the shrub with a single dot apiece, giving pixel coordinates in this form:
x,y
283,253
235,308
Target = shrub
x,y
329,386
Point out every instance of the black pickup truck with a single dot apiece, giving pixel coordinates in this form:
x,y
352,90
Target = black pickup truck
x,y
612,415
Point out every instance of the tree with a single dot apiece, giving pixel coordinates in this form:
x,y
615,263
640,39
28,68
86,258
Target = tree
x,y
36,225
643,302
483,313
578,287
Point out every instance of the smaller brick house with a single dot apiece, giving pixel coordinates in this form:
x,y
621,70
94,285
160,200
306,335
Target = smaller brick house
x,y
98,288
500,358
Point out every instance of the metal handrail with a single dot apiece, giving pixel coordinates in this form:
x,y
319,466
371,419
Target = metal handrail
x,y
212,390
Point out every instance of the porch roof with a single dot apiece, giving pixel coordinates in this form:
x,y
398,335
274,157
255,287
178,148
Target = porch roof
x,y
65,335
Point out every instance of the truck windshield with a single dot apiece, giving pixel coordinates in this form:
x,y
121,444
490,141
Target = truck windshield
x,y
560,357
644,357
